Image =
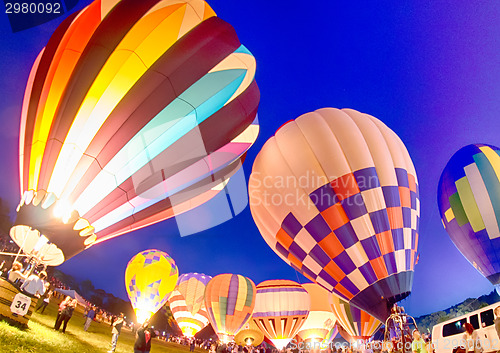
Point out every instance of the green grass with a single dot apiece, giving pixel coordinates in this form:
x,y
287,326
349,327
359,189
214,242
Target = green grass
x,y
41,337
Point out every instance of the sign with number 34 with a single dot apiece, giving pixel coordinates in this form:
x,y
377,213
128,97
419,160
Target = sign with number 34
x,y
20,304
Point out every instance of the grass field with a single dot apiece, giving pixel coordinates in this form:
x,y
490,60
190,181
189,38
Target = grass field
x,y
41,337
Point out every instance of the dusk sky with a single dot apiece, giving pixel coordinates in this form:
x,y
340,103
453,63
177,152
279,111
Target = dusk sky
x,y
429,71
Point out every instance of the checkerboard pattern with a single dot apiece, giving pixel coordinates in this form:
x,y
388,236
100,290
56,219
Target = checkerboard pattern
x,y
363,232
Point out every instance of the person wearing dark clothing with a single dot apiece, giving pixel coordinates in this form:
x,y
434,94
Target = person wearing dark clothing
x,y
66,314
221,348
143,339
192,345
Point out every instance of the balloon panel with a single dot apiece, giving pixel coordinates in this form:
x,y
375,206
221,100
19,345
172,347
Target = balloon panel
x,y
230,300
357,323
191,286
189,323
150,277
469,205
281,308
137,111
330,336
334,193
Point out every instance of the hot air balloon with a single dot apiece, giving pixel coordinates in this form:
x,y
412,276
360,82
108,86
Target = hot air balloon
x,y
249,335
134,112
188,322
230,300
187,303
469,205
357,323
281,308
334,193
321,320
150,277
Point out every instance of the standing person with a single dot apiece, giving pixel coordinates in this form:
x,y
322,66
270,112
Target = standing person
x,y
117,327
418,345
62,305
471,340
42,304
16,275
497,320
90,317
192,345
66,314
34,284
143,338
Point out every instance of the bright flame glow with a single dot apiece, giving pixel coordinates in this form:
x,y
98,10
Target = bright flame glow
x,y
143,314
40,243
280,343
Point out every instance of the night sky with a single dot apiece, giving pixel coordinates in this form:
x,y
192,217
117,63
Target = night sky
x,y
430,72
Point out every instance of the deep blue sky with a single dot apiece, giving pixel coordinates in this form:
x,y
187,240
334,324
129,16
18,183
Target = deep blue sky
x,y
431,72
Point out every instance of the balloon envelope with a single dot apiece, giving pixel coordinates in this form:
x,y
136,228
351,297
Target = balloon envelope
x,y
192,288
469,205
150,277
281,308
249,335
321,320
189,323
334,193
230,300
134,112
358,323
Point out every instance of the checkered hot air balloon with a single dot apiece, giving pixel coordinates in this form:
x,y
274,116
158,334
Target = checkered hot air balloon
x,y
321,320
230,301
357,323
334,193
469,205
187,303
134,112
281,308
150,277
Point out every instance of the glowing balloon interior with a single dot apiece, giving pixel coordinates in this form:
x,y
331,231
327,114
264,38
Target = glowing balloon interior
x,y
230,300
334,193
150,277
189,323
469,205
134,112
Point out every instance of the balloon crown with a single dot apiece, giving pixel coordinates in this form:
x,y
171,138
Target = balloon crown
x,y
49,228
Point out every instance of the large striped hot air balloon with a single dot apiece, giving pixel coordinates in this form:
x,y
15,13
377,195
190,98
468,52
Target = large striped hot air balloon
x,y
230,300
189,323
357,323
281,308
334,193
469,204
150,277
321,320
134,112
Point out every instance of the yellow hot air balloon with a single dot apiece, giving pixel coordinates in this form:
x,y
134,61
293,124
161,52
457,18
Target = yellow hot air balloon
x,y
150,277
321,319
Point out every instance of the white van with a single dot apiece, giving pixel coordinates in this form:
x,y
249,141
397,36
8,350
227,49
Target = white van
x,y
447,335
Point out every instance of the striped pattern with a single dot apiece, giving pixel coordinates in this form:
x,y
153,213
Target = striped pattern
x,y
334,193
469,204
321,320
189,323
192,288
330,336
230,301
136,111
281,308
358,323
150,277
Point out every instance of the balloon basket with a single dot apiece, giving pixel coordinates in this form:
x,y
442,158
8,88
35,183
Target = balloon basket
x,y
8,293
398,334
